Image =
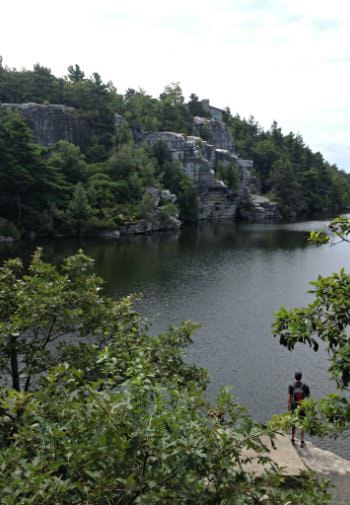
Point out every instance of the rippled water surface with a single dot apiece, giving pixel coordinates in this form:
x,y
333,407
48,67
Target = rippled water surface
x,y
230,278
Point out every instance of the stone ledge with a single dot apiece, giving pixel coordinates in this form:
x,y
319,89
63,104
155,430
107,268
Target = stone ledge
x,y
284,455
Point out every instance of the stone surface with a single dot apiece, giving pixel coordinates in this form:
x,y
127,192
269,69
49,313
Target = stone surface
x,y
200,160
167,197
6,231
284,455
188,151
118,121
220,134
259,208
159,220
145,226
328,465
50,123
5,239
112,234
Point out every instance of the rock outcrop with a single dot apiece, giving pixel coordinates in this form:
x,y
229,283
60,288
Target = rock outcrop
x,y
145,226
218,132
258,208
50,123
200,160
161,218
8,231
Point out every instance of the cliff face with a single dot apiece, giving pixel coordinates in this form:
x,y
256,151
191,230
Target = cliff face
x,y
200,159
219,133
50,123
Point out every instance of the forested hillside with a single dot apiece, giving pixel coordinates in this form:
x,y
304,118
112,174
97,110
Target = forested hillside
x,y
63,189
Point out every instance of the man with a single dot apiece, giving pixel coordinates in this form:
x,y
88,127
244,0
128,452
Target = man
x,y
297,392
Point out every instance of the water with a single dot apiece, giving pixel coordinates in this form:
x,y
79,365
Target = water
x,y
231,278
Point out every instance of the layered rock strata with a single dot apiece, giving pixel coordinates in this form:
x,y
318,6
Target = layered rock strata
x,y
200,159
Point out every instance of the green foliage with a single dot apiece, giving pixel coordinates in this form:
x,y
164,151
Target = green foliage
x,y
325,321
122,420
39,309
147,205
195,107
27,182
8,229
174,114
79,210
229,174
141,111
96,101
133,169
38,85
75,74
301,181
173,177
168,210
205,133
68,159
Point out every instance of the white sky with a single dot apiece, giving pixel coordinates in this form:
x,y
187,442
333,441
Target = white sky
x,y
287,60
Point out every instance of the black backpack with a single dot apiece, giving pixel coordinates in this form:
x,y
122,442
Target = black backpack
x,y
298,394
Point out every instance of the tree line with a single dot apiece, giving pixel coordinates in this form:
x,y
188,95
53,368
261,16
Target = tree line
x,y
71,190
288,171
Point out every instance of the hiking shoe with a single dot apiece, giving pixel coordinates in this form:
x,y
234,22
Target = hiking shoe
x,y
293,441
302,443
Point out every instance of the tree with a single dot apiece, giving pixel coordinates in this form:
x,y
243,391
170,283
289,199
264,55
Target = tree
x,y
173,177
326,320
195,107
174,115
286,188
39,309
134,167
79,210
75,74
69,160
126,422
141,110
265,154
228,173
27,181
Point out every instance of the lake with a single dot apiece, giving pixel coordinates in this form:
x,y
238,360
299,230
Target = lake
x,y
231,278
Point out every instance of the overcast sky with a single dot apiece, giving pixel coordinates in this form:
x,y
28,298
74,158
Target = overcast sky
x,y
277,60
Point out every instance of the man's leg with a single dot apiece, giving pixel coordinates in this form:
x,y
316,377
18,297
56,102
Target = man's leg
x,y
302,442
293,434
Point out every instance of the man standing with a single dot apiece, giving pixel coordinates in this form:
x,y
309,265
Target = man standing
x,y
297,392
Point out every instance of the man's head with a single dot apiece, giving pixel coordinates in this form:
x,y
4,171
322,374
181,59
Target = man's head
x,y
298,376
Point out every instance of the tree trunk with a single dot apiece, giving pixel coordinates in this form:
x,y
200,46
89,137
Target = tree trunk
x,y
19,208
14,364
